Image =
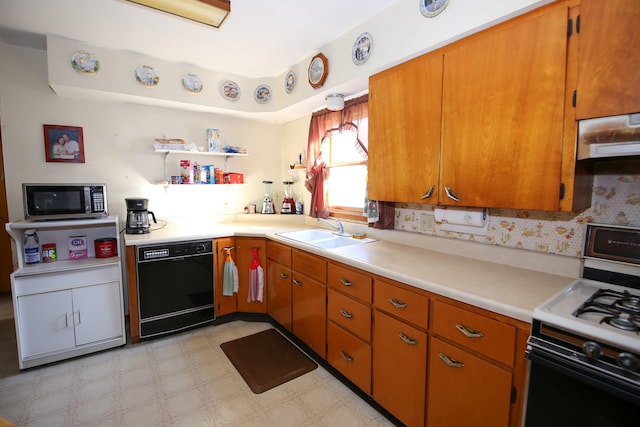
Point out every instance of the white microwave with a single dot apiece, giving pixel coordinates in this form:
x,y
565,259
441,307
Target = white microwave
x,y
64,201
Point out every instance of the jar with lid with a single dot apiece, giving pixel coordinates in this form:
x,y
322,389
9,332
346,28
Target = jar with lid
x,y
31,248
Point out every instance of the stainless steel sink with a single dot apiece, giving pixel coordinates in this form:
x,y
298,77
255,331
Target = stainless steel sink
x,y
324,239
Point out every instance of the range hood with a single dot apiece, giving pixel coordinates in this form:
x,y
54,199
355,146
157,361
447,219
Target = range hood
x,y
613,136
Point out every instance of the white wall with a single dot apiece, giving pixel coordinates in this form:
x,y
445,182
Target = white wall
x,y
118,141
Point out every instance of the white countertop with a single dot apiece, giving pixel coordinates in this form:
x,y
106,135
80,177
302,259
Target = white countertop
x,y
504,289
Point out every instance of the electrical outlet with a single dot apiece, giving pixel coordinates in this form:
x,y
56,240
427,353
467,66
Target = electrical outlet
x,y
427,222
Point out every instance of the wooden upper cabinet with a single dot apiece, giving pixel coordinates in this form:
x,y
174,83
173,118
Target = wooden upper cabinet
x,y
404,130
608,61
503,111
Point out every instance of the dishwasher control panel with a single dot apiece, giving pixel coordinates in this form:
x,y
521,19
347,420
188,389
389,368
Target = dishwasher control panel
x,y
174,250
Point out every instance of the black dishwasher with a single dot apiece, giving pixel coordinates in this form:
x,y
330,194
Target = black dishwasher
x,y
175,287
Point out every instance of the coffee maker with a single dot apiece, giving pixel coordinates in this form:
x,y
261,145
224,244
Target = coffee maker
x,y
138,216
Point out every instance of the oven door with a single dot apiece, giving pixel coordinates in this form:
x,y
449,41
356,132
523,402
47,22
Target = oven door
x,y
562,392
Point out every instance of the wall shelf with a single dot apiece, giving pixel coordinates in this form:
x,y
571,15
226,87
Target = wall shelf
x,y
197,153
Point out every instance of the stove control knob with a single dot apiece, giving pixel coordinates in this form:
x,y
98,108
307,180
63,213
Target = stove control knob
x,y
592,350
628,361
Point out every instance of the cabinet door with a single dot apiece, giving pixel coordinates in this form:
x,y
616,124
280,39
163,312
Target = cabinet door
x,y
279,294
244,256
608,61
503,110
309,312
471,392
224,304
45,323
97,313
399,369
404,131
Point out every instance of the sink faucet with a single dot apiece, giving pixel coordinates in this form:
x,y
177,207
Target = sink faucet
x,y
337,226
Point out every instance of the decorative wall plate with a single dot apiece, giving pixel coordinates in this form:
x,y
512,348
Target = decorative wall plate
x,y
262,95
147,76
362,48
289,81
230,90
431,8
85,62
318,70
192,83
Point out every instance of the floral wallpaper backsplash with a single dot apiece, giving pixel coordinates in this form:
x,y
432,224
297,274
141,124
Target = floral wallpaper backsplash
x,y
616,200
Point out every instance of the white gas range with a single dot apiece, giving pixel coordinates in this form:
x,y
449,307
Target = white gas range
x,y
585,341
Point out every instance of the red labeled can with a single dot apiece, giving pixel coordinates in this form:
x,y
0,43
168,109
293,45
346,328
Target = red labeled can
x,y
106,247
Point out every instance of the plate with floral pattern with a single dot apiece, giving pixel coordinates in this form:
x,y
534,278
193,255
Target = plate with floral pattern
x,y
147,76
230,90
289,81
85,62
361,48
262,95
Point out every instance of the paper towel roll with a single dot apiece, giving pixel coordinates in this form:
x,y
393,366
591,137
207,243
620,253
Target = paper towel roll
x,y
463,220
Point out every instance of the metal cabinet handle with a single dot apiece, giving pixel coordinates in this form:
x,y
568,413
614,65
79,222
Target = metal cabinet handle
x,y
66,320
346,356
468,332
407,340
346,282
398,304
429,193
449,361
345,313
297,282
451,194
284,275
79,318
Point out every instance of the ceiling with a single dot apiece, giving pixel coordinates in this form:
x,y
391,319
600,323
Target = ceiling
x,y
258,39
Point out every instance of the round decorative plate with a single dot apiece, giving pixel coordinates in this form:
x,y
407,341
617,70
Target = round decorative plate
x,y
192,83
85,62
289,81
262,95
147,76
362,48
230,90
318,70
431,8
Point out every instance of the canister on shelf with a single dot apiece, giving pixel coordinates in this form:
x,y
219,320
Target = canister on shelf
x,y
49,252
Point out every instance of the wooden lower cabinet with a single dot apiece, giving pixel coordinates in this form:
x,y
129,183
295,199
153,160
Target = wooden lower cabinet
x,y
349,355
279,304
309,316
465,390
399,368
224,304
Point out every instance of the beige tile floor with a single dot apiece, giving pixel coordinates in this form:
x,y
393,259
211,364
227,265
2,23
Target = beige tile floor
x,y
181,380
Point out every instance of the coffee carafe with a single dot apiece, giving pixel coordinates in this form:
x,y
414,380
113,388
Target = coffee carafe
x,y
138,216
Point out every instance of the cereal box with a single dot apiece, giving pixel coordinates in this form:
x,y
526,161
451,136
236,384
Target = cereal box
x,y
213,139
78,247
186,171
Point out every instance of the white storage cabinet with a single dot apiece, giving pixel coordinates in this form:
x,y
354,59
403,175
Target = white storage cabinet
x,y
68,307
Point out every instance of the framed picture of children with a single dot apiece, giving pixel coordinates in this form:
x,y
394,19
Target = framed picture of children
x,y
63,144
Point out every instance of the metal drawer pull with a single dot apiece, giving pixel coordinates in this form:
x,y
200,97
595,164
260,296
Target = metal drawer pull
x,y
66,320
468,332
449,361
345,356
398,304
345,313
346,282
284,275
429,193
407,340
297,282
451,194
79,319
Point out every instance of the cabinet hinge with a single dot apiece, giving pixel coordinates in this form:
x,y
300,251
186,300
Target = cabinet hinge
x,y
514,394
561,191
570,27
578,24
574,98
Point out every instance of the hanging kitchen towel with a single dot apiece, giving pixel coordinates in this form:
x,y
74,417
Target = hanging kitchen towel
x,y
256,279
230,277
371,209
463,220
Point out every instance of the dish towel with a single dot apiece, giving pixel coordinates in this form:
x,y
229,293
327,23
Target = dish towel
x,y
256,279
230,277
371,209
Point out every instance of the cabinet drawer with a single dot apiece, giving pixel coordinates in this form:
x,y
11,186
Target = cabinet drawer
x,y
350,314
350,356
279,253
402,303
351,282
36,283
310,265
482,334
476,391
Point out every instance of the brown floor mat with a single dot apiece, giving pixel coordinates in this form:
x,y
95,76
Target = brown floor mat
x,y
267,359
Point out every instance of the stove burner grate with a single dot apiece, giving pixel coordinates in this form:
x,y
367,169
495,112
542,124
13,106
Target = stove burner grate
x,y
620,309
